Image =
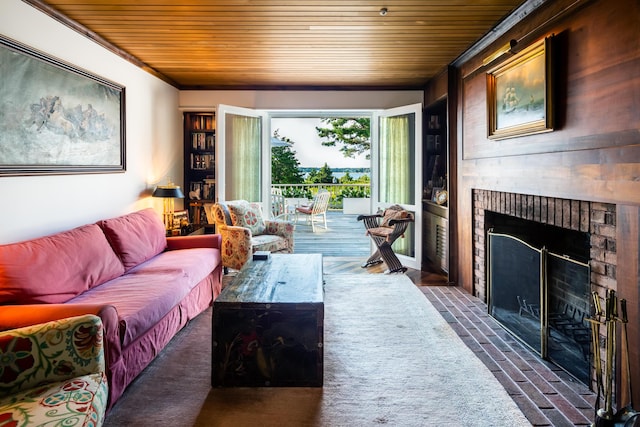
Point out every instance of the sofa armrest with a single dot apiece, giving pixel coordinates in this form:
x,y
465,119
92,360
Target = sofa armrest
x,y
49,352
196,241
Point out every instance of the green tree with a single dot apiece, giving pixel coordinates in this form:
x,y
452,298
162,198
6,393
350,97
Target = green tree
x,y
352,135
324,175
346,178
284,164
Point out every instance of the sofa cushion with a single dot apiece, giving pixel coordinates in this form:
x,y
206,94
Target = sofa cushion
x,y
269,242
248,215
135,237
54,269
145,294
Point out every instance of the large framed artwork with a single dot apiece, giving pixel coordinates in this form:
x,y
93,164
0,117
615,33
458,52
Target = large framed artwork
x,y
56,118
519,93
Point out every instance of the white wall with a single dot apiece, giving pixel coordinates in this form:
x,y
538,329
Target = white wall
x,y
300,100
38,205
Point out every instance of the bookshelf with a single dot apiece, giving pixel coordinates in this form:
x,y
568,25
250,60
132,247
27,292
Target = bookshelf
x,y
435,153
435,181
199,163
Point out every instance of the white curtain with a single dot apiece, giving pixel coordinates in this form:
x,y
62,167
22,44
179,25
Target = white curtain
x,y
242,158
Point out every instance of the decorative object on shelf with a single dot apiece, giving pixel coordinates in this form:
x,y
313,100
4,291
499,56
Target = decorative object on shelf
x,y
442,197
168,192
519,93
194,194
57,118
434,193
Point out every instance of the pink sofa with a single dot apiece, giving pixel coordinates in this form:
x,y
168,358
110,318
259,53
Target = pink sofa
x,y
144,286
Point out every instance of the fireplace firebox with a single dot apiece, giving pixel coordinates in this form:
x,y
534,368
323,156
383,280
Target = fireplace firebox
x,y
543,299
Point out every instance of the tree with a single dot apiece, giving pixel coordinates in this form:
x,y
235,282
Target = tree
x,y
324,175
346,178
352,135
284,165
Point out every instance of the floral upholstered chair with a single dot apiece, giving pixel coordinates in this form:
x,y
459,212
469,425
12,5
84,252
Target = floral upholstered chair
x,y
244,231
53,374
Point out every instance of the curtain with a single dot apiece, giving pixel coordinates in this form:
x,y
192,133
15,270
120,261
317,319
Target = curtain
x,y
397,170
242,158
396,165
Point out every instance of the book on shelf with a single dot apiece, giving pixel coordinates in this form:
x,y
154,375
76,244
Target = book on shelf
x,y
203,161
204,121
202,141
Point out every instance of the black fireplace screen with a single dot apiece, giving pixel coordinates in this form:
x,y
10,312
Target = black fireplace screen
x,y
543,299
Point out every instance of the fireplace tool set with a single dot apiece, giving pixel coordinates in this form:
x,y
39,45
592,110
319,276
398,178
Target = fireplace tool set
x,y
605,417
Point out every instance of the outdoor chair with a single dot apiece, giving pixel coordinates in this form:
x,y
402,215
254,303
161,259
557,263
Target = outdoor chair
x,y
317,208
278,206
384,228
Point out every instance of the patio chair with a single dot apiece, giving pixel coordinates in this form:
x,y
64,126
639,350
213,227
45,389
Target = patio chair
x,y
384,228
317,208
278,207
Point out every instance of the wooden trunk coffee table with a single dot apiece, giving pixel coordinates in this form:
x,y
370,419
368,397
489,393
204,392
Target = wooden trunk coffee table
x,y
268,324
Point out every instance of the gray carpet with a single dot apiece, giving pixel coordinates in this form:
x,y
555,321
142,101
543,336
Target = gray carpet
x,y
390,359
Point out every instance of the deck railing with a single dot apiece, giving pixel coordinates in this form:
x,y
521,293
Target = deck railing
x,y
338,191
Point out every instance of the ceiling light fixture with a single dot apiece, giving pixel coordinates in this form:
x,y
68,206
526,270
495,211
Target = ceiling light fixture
x,y
383,11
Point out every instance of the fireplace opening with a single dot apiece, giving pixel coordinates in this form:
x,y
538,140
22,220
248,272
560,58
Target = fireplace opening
x,y
539,288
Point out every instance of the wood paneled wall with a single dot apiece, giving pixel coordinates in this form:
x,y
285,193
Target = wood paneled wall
x,y
594,152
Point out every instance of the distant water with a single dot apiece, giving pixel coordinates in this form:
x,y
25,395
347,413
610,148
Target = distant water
x,y
338,175
340,172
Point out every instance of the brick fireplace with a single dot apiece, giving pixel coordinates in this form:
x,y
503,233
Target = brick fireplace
x,y
597,219
594,221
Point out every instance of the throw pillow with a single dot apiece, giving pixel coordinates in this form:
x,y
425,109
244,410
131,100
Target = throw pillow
x,y
248,215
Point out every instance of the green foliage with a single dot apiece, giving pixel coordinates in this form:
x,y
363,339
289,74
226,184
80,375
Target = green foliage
x,y
324,175
364,179
352,135
284,165
297,192
346,179
355,192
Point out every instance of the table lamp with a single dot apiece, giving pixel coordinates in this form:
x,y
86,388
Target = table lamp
x,y
168,193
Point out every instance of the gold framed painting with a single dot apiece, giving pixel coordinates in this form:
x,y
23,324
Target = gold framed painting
x,y
519,93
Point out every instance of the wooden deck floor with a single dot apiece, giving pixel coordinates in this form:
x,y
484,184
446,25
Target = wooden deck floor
x,y
345,247
344,237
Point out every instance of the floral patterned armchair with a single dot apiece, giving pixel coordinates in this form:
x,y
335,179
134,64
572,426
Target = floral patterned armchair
x,y
244,231
53,374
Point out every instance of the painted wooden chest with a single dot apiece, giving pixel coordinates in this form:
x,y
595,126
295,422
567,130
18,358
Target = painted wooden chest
x,y
268,324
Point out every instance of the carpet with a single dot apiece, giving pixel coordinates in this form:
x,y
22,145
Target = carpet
x,y
390,359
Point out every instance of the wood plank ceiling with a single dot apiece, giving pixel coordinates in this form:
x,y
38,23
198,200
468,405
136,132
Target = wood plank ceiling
x,y
230,44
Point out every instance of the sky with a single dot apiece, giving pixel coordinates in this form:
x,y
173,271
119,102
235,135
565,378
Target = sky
x,y
308,147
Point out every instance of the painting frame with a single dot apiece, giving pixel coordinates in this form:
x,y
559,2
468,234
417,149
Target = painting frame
x,y
178,216
511,114
56,118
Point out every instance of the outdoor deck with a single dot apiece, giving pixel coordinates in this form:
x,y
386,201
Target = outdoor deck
x,y
344,237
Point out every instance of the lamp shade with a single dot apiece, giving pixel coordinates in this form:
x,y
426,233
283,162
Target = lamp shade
x,y
166,191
